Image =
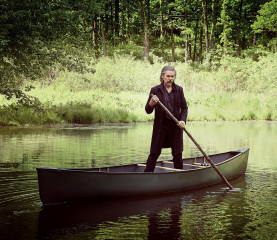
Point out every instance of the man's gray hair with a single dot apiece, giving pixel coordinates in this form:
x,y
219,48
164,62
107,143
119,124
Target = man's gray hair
x,y
167,68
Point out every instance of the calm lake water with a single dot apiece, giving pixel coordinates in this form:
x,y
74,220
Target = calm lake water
x,y
247,212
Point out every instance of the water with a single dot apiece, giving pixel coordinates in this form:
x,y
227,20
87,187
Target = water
x,y
247,212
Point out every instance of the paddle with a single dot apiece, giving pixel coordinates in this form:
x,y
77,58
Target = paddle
x,y
197,145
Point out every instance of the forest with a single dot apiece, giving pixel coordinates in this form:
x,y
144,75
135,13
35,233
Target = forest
x,y
90,61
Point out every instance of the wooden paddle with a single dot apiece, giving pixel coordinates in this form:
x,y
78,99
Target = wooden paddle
x,y
197,145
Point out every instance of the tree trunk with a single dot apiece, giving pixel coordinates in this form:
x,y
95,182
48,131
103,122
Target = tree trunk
x,y
187,49
104,40
112,25
239,30
213,25
172,38
95,34
162,31
275,42
195,38
200,43
172,45
189,42
225,45
123,21
204,6
186,38
224,20
128,22
146,43
146,34
254,39
116,17
106,19
237,46
148,12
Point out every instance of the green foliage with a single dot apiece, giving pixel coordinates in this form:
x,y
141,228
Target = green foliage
x,y
52,45
85,113
239,89
131,49
231,107
31,46
124,74
267,18
16,114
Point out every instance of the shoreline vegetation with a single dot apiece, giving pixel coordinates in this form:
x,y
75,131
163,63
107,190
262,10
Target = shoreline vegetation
x,y
78,62
116,90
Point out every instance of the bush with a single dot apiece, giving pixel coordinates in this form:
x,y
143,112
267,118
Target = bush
x,y
239,89
23,115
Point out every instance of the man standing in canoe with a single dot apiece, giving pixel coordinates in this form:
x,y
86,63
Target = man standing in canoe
x,y
165,131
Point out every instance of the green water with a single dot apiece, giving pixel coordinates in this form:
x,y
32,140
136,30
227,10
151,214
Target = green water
x,y
247,212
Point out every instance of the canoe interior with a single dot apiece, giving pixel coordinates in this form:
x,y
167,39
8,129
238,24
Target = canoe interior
x,y
189,164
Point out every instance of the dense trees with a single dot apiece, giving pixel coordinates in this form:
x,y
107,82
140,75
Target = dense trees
x,y
37,37
267,22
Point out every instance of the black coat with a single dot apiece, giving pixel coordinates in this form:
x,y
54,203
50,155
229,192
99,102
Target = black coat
x,y
180,112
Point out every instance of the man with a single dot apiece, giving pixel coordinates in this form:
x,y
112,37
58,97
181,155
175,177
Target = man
x,y
165,131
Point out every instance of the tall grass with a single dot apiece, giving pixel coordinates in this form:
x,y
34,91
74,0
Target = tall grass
x,y
232,107
234,90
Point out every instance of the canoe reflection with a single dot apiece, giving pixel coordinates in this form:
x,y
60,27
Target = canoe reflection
x,y
85,216
162,213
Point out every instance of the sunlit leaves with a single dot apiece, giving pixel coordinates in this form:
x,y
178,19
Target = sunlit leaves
x,y
267,18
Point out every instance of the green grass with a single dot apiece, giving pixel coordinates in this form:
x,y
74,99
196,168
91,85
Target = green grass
x,y
232,107
239,89
94,106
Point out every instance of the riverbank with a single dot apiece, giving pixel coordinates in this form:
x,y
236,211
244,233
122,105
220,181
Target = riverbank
x,y
97,106
117,91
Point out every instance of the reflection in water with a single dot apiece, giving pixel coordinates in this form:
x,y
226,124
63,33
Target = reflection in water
x,y
186,215
134,217
152,217
247,212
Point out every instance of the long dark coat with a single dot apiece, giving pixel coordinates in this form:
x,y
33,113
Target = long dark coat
x,y
180,112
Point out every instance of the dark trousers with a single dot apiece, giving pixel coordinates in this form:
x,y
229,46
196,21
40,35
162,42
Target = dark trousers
x,y
152,159
166,135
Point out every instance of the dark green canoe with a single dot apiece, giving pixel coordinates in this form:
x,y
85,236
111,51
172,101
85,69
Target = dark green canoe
x,y
57,185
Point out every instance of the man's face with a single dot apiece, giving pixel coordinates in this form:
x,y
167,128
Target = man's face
x,y
168,77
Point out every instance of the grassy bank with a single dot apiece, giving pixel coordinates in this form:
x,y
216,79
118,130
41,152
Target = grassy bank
x,y
233,90
92,106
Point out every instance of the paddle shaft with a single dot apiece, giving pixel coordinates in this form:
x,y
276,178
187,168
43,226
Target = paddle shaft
x,y
197,145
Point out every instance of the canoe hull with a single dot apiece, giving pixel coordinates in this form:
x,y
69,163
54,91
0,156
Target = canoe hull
x,y
64,185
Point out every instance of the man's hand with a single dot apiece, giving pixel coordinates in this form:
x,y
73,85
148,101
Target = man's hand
x,y
153,101
181,124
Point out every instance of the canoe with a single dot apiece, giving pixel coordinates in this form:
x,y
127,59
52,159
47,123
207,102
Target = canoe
x,y
59,185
